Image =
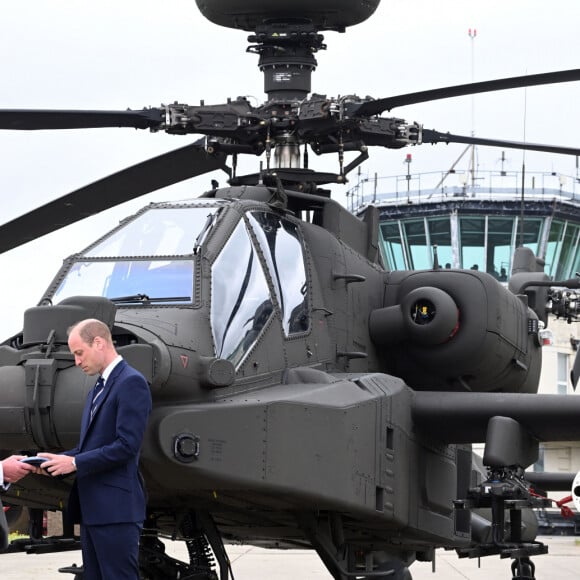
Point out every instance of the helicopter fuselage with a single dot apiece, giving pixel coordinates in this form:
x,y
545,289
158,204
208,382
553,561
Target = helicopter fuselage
x,y
277,350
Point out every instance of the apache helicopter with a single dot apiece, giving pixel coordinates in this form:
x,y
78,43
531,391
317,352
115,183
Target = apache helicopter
x,y
304,396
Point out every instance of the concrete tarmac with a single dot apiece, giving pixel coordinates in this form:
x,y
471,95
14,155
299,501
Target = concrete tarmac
x,y
249,563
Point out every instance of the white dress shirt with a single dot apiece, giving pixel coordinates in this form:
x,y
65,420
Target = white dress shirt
x,y
3,486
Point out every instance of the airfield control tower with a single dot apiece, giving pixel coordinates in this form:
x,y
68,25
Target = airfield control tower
x,y
477,222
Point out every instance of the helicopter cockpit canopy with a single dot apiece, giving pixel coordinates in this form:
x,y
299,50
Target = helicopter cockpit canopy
x,y
256,258
240,283
151,255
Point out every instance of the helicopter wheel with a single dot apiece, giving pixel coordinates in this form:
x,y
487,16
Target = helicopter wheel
x,y
396,570
523,569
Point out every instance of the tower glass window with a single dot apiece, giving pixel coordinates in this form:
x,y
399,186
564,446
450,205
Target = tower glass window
x,y
567,253
392,246
554,240
440,234
531,234
499,246
483,242
574,260
417,244
472,234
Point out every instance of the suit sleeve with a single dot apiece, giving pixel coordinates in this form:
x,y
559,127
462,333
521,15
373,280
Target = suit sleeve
x,y
133,402
3,523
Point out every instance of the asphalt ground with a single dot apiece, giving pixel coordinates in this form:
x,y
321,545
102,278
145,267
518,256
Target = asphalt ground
x,y
249,563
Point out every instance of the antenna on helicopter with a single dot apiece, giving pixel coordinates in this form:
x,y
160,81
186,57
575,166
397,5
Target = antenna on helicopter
x,y
472,33
522,204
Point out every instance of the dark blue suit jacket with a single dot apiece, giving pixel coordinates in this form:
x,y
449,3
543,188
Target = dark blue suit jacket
x,y
108,488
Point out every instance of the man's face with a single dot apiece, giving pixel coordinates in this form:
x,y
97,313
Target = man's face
x,y
89,357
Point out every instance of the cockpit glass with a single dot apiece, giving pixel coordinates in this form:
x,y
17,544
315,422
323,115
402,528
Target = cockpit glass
x,y
161,281
241,303
148,259
157,232
281,246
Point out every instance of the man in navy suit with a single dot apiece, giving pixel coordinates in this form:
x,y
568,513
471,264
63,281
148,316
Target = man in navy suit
x,y
108,497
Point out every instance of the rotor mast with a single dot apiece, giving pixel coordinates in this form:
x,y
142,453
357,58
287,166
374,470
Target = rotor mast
x,y
287,60
286,50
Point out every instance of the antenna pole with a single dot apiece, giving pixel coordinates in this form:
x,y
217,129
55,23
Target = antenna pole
x,y
408,160
522,203
472,32
523,173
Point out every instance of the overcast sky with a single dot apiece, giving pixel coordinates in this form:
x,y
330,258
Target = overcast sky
x,y
118,54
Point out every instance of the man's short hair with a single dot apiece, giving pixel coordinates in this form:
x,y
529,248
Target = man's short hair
x,y
91,328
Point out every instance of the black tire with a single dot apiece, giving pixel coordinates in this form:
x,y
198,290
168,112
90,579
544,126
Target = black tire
x,y
18,518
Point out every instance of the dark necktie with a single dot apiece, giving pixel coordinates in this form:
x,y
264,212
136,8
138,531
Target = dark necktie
x,y
99,387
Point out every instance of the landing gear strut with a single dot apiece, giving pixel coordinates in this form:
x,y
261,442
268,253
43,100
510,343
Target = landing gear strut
x,y
343,560
204,546
508,449
203,543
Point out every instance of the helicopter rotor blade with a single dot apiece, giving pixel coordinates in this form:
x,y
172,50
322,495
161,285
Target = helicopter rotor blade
x,y
130,183
431,136
377,106
36,119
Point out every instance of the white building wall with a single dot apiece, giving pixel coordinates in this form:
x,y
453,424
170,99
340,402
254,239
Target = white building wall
x,y
560,456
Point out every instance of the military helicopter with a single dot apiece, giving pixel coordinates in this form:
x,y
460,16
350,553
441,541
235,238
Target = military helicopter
x,y
304,396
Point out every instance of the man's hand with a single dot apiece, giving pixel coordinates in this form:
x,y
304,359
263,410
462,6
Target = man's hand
x,y
56,464
14,470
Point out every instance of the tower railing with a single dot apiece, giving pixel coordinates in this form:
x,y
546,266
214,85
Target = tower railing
x,y
437,186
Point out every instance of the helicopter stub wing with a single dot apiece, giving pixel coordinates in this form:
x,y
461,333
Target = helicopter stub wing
x,y
130,183
552,481
464,417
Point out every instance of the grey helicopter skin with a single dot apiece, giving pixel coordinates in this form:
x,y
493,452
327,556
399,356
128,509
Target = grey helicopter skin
x,y
304,396
299,433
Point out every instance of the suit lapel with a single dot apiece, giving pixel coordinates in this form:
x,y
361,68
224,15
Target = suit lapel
x,y
87,420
